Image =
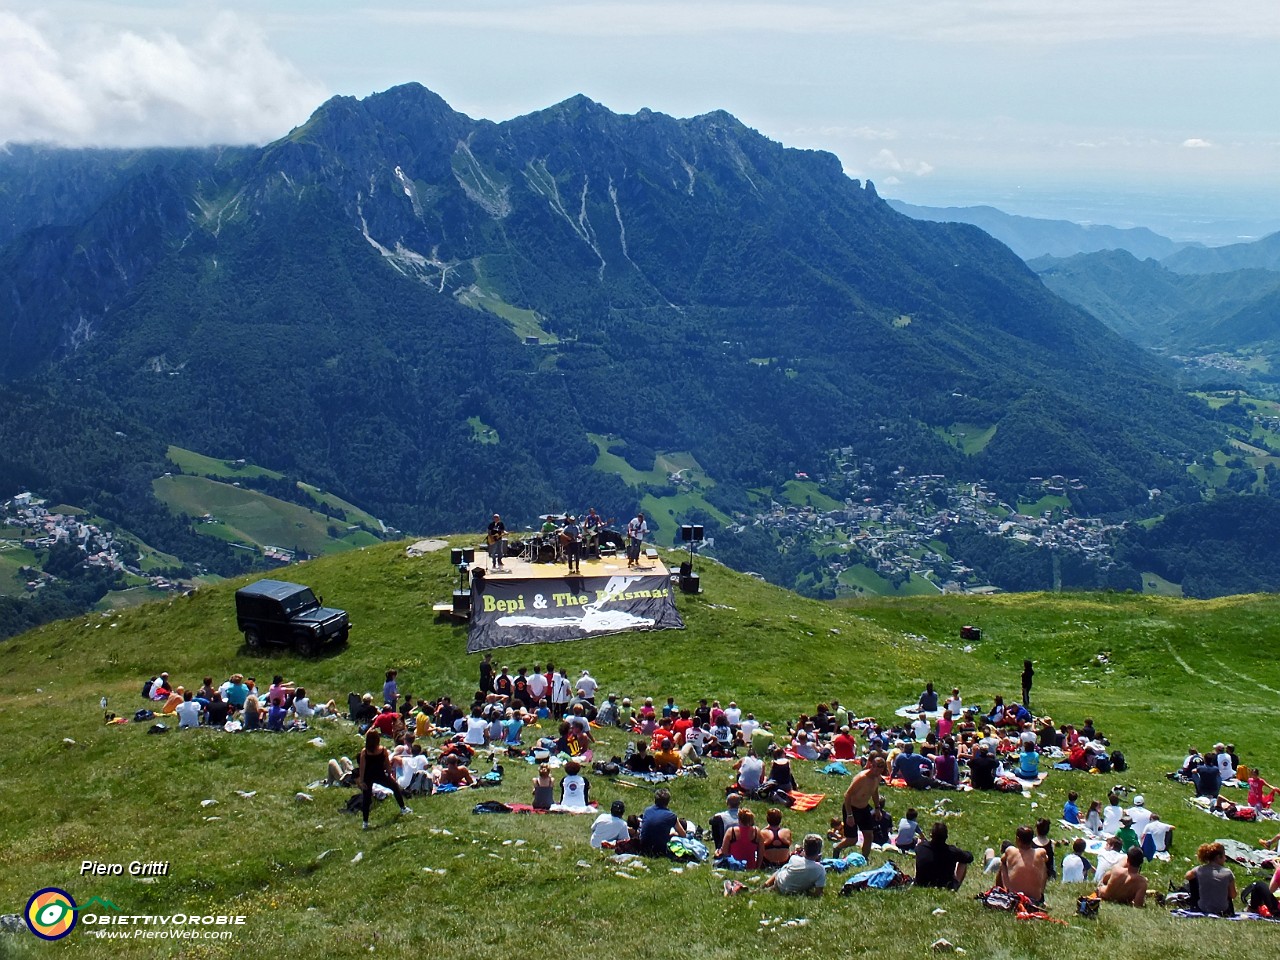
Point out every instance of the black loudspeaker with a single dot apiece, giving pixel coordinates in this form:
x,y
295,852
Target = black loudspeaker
x,y
455,556
686,568
461,555
686,532
690,584
970,633
697,531
462,601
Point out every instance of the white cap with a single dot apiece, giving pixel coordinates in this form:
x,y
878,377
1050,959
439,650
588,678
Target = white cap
x,y
1139,800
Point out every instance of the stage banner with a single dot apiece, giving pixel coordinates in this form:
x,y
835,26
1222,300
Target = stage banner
x,y
507,612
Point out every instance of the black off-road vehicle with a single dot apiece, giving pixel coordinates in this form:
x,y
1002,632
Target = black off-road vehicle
x,y
275,612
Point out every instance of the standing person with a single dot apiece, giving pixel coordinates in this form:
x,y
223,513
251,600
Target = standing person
x,y
863,792
587,686
1027,673
497,535
375,767
560,694
391,691
637,530
537,686
571,537
486,673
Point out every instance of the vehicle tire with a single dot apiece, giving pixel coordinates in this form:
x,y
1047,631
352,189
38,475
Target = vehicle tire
x,y
306,644
345,635
252,638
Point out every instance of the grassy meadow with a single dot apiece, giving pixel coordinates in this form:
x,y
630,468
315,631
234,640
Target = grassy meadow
x,y
1155,673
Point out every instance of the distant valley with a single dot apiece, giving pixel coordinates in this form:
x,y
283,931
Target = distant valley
x,y
436,318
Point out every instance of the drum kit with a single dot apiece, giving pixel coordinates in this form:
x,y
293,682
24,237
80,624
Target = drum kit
x,y
548,545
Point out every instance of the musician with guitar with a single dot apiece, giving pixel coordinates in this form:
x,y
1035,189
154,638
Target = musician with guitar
x,y
571,539
497,542
637,530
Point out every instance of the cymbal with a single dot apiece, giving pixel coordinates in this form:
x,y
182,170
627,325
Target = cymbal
x,y
551,516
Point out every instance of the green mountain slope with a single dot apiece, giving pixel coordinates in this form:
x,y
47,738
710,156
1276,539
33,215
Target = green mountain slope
x,y
1154,673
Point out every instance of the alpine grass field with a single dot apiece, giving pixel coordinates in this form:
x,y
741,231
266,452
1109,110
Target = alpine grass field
x,y
1156,674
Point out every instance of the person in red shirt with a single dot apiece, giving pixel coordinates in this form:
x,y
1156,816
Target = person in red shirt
x,y
386,722
682,726
843,745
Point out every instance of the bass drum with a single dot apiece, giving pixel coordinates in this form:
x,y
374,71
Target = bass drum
x,y
610,541
544,553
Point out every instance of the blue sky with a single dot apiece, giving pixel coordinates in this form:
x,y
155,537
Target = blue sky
x,y
1129,111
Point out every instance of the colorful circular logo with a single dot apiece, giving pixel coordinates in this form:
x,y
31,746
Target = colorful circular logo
x,y
51,913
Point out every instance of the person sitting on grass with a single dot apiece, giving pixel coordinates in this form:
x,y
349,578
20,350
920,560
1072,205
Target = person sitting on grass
x,y
1075,867
1124,883
1261,793
305,710
641,760
1023,866
941,864
908,834
750,773
575,789
742,840
454,773
667,759
658,825
188,712
775,840
218,711
1029,762
982,769
1212,884
610,832
917,770
253,714
803,872
1070,811
1127,836
375,768
544,789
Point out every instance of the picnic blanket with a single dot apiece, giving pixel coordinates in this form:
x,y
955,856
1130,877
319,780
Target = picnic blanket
x,y
1249,856
805,801
494,806
912,710
1183,914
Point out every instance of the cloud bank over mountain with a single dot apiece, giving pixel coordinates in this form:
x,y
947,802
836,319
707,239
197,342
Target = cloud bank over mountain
x,y
81,85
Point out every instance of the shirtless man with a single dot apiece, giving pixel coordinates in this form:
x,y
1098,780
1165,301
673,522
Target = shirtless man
x,y
1124,883
859,801
1024,867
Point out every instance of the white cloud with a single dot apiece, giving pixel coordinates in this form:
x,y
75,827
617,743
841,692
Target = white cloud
x,y
1012,21
887,160
85,85
1196,143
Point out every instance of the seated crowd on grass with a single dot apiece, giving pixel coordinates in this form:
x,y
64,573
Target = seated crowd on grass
x,y
939,744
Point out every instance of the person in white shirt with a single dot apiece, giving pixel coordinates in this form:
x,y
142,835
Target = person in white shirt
x,y
587,685
1161,834
477,729
920,728
1108,857
1139,814
575,789
954,703
611,828
1111,815
749,726
304,709
560,694
732,714
188,712
1074,864
412,771
537,686
750,772
1225,767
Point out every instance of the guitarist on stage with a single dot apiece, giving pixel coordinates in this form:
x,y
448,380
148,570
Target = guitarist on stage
x,y
497,542
571,537
637,530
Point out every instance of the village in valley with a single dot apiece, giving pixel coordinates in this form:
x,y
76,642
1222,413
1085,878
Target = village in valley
x,y
41,528
899,537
